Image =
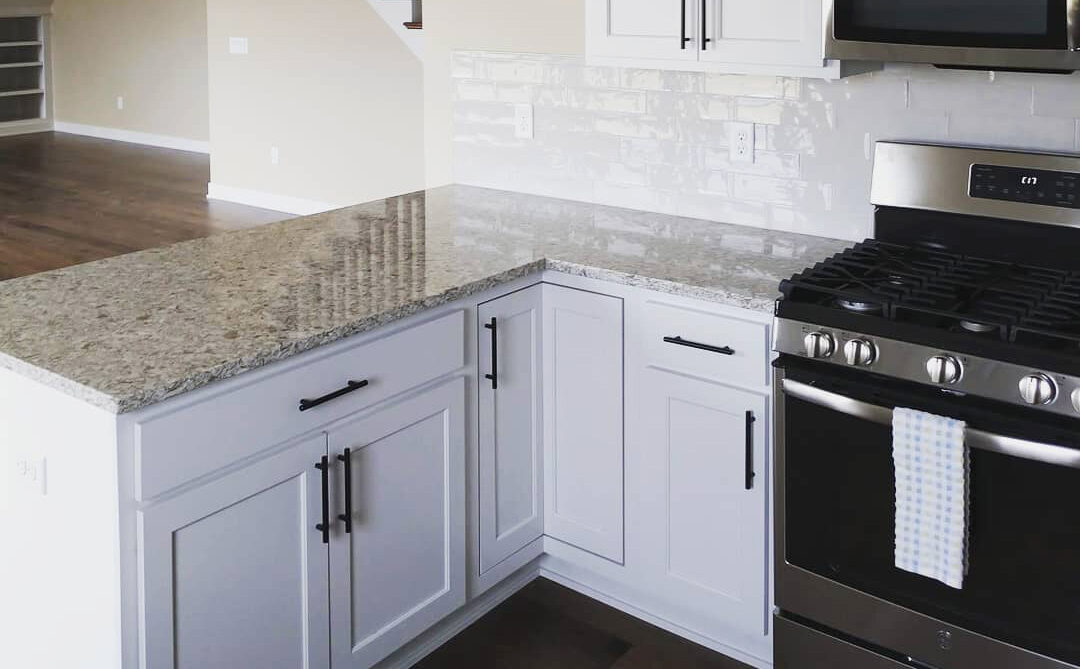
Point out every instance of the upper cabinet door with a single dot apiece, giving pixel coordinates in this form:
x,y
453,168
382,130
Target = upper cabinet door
x,y
661,29
234,572
402,567
583,420
764,32
511,448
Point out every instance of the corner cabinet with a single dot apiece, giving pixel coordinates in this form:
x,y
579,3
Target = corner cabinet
x,y
781,37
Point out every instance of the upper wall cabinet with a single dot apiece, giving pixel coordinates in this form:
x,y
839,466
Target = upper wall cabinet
x,y
782,37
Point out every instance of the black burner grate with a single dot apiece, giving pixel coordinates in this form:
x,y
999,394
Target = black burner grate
x,y
1031,305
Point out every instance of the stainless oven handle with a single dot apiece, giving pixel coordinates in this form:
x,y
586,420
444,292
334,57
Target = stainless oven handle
x,y
1072,17
984,441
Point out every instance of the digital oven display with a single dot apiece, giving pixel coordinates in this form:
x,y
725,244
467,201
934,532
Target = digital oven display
x,y
1013,184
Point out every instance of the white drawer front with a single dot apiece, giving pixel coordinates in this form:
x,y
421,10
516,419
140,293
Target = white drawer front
x,y
177,447
708,345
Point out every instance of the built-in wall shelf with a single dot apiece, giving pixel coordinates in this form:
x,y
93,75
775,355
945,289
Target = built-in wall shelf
x,y
24,104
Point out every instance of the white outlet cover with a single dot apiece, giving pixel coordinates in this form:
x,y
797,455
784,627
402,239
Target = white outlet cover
x,y
275,155
523,121
120,102
741,142
238,45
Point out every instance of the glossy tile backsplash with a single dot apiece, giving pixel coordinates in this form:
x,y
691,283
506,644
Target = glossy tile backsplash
x,y
658,140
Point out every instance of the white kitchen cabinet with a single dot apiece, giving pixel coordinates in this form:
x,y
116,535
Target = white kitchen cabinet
x,y
401,568
583,420
234,573
656,29
701,469
511,476
764,32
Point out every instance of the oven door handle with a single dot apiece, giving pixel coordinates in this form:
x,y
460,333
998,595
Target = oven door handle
x,y
1072,24
1049,454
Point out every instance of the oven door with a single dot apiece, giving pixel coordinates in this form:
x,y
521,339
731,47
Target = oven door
x,y
1022,34
1020,604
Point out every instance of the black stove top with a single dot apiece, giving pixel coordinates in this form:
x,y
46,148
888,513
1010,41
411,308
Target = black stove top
x,y
937,291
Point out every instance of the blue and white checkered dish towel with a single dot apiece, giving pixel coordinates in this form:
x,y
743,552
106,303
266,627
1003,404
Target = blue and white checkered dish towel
x,y
932,471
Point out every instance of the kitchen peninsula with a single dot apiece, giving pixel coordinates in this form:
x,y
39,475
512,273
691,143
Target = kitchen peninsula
x,y
219,443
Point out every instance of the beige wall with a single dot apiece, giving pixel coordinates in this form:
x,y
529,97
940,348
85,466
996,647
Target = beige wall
x,y
548,26
152,52
330,85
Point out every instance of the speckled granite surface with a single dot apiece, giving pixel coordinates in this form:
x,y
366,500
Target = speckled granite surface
x,y
126,332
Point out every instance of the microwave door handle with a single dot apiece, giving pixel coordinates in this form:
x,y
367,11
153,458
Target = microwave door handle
x,y
1072,18
1048,454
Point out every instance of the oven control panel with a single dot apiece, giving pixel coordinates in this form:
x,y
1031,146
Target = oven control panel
x,y
1014,184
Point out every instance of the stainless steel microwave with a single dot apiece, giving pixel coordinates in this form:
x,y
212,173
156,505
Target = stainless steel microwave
x,y
986,34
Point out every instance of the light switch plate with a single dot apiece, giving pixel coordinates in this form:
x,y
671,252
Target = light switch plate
x,y
238,45
30,474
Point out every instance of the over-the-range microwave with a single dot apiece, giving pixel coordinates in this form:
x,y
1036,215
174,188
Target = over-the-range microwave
x,y
984,34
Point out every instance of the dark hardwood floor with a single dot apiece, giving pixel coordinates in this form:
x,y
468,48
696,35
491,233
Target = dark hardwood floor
x,y
66,200
546,626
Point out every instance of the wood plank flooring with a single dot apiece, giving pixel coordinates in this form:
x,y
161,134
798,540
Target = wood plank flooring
x,y
66,199
547,626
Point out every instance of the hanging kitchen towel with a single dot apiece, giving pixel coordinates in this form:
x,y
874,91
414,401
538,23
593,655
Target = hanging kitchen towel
x,y
932,470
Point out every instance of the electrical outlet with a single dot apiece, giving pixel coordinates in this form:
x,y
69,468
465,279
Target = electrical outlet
x,y
120,102
30,474
238,45
523,121
741,142
275,155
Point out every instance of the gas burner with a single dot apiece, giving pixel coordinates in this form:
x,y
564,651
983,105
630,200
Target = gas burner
x,y
978,328
858,306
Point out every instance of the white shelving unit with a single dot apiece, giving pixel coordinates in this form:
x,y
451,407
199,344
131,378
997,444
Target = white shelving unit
x,y
24,72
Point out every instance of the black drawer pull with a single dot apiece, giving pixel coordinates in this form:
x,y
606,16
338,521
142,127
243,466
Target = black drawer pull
x,y
679,341
494,375
346,517
750,420
323,466
352,387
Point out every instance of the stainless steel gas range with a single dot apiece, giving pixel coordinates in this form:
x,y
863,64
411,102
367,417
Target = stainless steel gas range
x,y
966,304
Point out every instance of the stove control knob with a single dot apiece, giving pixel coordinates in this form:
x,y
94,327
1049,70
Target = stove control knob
x,y
860,353
944,369
819,344
1038,389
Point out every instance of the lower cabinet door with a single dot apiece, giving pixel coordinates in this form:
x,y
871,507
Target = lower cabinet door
x,y
234,573
511,479
583,420
701,468
402,567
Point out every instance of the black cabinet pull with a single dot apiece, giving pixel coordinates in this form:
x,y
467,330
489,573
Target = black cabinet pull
x,y
683,39
704,25
750,450
352,387
324,527
346,457
679,341
494,375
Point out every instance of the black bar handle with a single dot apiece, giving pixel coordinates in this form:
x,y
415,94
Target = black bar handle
x,y
352,387
494,375
683,39
346,457
679,341
750,420
704,25
324,527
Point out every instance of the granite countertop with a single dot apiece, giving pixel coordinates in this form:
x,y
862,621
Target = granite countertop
x,y
127,332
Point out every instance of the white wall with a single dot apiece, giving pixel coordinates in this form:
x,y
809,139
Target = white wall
x,y
330,85
657,140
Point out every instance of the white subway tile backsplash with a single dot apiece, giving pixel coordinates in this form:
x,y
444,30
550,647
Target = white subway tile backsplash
x,y
657,140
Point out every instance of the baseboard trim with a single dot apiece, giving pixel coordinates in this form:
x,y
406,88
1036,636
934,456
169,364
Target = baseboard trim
x,y
264,200
28,127
450,627
133,137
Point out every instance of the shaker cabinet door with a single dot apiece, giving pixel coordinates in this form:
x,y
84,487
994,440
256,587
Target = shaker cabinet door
x,y
511,481
401,569
234,573
701,468
660,29
764,32
583,420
